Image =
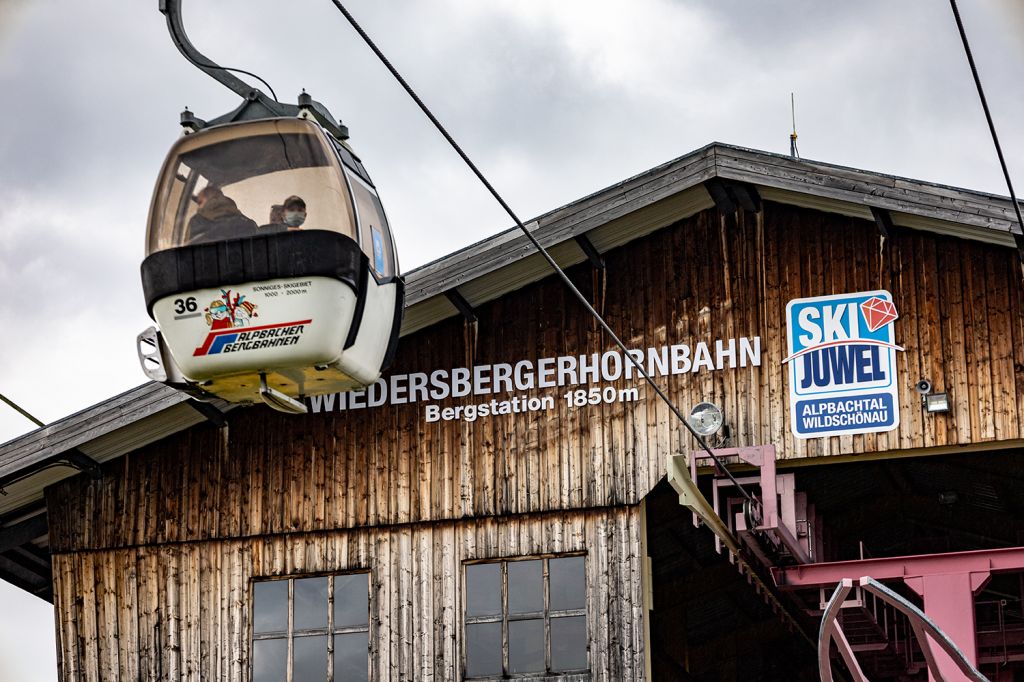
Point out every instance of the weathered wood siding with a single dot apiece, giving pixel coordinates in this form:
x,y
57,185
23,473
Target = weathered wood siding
x,y
153,562
182,611
961,322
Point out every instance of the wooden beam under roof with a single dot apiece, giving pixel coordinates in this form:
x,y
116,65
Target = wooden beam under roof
x,y
23,532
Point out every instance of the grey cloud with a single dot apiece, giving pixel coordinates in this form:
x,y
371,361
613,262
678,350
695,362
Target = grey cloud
x,y
553,100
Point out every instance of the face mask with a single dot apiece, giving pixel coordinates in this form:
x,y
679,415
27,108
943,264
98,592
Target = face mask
x,y
294,218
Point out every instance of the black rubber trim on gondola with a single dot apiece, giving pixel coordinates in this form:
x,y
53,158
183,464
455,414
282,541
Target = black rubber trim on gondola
x,y
396,324
357,314
299,253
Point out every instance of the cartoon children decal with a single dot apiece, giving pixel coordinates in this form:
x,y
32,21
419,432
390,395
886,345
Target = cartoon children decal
x,y
244,312
227,312
218,316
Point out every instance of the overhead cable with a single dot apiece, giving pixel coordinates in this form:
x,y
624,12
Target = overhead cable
x,y
540,248
991,124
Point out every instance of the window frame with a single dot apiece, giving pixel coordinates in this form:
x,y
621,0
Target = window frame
x,y
505,618
330,632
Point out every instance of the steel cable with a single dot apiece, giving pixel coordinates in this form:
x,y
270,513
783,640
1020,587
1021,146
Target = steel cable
x,y
540,248
988,117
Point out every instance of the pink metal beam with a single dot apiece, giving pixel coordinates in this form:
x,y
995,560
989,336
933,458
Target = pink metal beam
x,y
982,563
946,583
950,665
949,602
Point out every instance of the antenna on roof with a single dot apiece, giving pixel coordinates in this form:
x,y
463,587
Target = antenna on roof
x,y
793,151
20,410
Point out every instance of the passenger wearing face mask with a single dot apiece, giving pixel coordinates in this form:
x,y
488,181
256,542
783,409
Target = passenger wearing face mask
x,y
294,212
287,216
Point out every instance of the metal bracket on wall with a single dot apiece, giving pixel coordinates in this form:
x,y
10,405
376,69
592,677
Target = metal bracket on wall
x,y
23,532
83,462
588,248
460,302
730,196
74,458
883,219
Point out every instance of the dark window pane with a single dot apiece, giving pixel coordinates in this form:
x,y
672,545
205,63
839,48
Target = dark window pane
x,y
310,603
568,643
483,649
483,589
525,586
526,646
373,226
270,608
351,600
310,659
352,657
568,581
269,660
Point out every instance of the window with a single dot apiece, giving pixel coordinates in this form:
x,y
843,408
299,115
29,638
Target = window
x,y
311,629
241,173
375,237
525,617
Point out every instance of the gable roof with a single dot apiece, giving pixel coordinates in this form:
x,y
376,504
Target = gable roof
x,y
506,261
674,190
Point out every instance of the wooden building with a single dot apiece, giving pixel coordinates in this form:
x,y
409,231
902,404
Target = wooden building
x,y
497,506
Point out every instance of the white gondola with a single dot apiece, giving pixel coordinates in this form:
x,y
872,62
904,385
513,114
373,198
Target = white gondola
x,y
253,305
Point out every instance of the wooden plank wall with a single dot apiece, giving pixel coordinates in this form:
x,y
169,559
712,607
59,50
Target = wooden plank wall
x,y
152,562
181,611
961,321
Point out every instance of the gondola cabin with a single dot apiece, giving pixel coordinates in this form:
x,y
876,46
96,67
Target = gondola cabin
x,y
270,269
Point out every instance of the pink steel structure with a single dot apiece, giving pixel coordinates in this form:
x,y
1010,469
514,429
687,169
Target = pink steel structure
x,y
923,629
946,582
780,511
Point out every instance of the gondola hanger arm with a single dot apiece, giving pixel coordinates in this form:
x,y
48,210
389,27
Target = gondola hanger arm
x,y
172,10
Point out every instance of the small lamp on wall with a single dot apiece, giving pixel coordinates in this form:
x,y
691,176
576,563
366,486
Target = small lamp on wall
x,y
706,419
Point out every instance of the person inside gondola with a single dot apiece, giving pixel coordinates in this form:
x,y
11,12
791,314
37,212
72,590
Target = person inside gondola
x,y
294,212
287,216
276,223
218,218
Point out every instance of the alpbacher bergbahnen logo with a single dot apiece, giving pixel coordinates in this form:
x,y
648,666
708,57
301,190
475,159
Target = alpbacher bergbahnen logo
x,y
842,360
231,330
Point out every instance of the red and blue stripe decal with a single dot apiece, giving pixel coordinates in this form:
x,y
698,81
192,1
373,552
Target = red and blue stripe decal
x,y
216,341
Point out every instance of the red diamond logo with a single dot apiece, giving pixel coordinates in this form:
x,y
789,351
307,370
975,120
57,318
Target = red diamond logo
x,y
878,312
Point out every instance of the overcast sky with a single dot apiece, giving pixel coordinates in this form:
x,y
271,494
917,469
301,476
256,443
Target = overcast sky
x,y
554,100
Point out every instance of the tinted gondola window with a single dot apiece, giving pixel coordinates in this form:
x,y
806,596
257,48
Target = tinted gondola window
x,y
236,181
315,628
374,234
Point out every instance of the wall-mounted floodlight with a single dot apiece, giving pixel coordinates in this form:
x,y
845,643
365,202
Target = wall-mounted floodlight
x,y
933,403
706,418
936,402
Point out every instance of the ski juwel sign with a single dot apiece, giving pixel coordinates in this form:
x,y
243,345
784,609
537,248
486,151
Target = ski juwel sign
x,y
842,364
